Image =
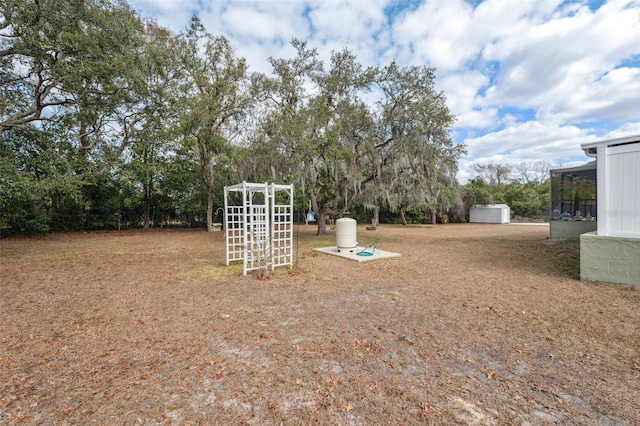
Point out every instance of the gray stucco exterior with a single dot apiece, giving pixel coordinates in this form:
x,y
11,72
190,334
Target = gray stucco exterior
x,y
609,259
570,230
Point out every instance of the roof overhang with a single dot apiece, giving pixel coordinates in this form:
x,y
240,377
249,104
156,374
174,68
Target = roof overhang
x,y
591,148
591,165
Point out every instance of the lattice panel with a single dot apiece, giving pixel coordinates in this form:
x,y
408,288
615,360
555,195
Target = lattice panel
x,y
258,247
234,229
282,235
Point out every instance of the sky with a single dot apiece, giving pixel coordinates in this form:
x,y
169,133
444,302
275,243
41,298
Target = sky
x,y
529,81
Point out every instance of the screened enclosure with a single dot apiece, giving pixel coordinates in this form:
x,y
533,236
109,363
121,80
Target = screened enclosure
x,y
573,193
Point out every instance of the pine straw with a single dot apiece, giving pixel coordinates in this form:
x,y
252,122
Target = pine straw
x,y
474,324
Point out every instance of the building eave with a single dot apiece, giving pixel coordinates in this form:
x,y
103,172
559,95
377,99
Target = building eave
x,y
591,148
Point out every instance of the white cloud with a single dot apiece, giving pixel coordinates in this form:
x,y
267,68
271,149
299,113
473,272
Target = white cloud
x,y
431,35
349,22
563,58
530,139
461,90
614,96
246,22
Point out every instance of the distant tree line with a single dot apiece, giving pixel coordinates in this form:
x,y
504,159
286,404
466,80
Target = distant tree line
x,y
109,121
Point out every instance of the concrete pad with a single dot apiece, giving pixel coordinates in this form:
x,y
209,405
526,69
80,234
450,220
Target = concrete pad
x,y
353,254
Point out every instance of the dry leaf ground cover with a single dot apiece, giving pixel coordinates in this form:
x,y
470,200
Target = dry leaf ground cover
x,y
473,324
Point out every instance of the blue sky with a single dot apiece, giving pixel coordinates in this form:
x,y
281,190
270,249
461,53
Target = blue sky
x,y
529,80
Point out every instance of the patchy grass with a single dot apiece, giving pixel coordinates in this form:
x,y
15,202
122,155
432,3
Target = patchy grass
x,y
564,256
473,324
217,271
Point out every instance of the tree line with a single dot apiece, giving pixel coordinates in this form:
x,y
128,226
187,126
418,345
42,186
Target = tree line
x,y
110,121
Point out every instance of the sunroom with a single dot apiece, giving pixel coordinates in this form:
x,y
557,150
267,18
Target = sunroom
x,y
573,201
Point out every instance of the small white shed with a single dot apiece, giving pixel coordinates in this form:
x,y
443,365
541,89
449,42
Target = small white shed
x,y
490,213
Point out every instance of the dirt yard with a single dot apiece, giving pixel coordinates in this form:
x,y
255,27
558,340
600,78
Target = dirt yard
x,y
473,324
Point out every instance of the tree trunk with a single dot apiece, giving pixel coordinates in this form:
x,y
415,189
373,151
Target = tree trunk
x,y
433,216
147,210
209,184
375,221
83,140
210,208
402,218
322,224
147,205
320,212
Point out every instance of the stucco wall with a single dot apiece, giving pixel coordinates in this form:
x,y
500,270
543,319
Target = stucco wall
x,y
570,229
609,259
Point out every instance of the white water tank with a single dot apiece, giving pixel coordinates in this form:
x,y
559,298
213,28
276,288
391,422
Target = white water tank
x,y
346,234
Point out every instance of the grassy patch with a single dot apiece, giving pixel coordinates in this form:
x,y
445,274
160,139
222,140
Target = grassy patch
x,y
217,271
563,256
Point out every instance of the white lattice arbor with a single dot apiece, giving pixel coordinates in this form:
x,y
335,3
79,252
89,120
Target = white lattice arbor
x,y
259,225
